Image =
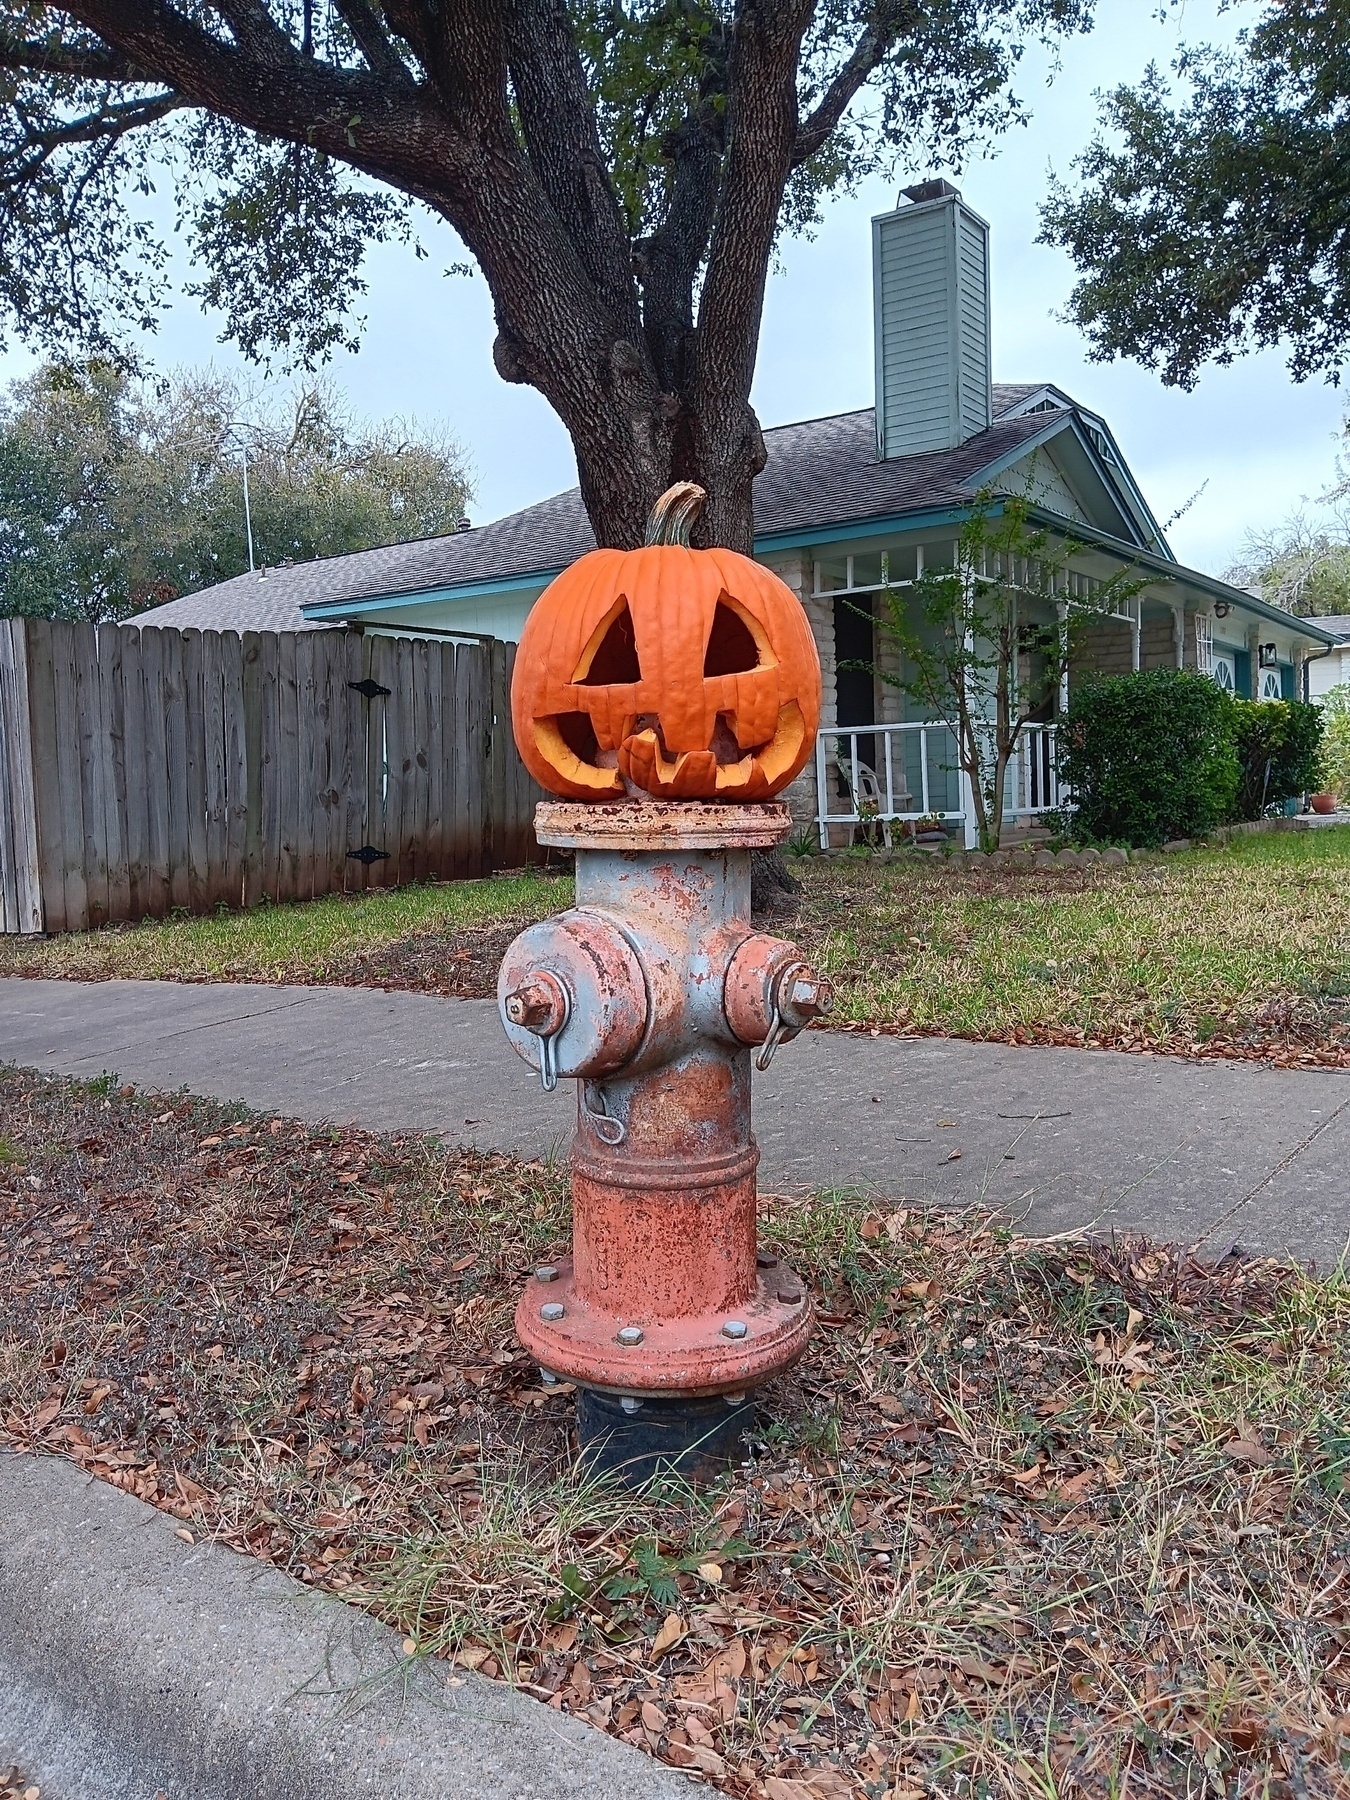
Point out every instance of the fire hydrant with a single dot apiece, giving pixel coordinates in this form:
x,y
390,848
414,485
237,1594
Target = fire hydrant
x,y
652,993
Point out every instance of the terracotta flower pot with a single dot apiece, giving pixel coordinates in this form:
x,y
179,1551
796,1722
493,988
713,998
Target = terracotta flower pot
x,y
1324,803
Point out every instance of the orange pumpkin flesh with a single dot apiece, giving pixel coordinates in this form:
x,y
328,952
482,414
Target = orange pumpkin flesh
x,y
686,674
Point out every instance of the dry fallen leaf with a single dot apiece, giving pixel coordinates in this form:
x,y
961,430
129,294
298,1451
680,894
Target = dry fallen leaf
x,y
668,1636
44,1415
699,1758
1246,1449
710,1572
653,1721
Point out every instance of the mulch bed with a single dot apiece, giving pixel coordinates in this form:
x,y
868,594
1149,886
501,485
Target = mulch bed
x,y
1054,1518
461,964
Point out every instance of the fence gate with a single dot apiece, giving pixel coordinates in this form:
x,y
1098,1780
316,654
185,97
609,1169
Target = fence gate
x,y
148,770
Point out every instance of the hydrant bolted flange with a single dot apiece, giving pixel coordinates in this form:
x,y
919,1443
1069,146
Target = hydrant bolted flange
x,y
652,992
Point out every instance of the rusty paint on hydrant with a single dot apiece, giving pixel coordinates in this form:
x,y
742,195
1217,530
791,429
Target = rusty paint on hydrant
x,y
652,993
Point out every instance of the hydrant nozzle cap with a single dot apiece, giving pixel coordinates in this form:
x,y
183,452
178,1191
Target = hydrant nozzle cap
x,y
540,1004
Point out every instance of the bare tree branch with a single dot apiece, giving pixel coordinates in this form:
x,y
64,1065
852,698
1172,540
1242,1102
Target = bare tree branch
x,y
761,130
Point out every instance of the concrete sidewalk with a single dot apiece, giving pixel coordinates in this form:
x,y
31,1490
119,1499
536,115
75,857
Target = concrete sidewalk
x,y
1213,1151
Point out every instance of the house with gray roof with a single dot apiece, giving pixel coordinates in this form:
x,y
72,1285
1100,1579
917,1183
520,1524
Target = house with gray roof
x,y
851,507
1331,667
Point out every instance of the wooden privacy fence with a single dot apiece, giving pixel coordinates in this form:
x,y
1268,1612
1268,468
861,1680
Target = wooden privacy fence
x,y
143,771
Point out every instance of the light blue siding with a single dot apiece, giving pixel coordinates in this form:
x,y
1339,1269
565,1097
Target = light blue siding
x,y
931,302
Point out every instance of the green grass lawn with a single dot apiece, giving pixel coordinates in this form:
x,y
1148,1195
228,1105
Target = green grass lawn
x,y
310,941
1236,951
1243,948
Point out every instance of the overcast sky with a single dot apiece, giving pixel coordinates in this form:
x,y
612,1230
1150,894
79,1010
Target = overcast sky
x,y
1261,443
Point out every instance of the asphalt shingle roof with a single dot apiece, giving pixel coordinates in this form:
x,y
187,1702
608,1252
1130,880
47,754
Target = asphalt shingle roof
x,y
821,472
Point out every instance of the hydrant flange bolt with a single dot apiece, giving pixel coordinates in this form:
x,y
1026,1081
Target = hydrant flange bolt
x,y
631,1404
788,1296
735,1328
765,1260
631,1336
546,1272
548,1378
551,1313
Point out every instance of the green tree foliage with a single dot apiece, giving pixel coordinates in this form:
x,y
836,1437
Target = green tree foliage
x,y
959,632
1279,749
117,493
1149,757
1334,774
1213,223
619,170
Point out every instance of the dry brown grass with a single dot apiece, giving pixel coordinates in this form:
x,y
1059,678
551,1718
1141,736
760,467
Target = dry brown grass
x,y
1030,1519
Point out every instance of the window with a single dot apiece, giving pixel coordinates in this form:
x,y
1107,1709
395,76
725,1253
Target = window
x,y
1204,646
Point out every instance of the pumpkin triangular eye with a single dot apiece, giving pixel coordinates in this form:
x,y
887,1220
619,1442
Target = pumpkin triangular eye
x,y
734,646
613,661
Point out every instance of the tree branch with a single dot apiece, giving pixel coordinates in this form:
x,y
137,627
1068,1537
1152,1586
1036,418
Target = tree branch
x,y
254,29
109,123
670,260
56,59
872,48
761,130
562,139
372,40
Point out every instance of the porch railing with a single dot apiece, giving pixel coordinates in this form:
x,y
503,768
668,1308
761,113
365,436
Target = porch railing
x,y
903,773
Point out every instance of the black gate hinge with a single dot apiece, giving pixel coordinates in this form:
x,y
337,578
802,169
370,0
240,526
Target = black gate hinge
x,y
368,854
369,687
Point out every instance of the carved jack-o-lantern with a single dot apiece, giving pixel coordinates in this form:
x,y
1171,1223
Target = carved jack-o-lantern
x,y
689,674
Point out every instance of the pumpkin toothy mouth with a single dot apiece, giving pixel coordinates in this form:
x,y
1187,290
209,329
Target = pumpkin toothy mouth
x,y
730,772
642,762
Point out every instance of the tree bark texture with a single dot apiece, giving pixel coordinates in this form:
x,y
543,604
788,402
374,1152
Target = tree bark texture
x,y
481,110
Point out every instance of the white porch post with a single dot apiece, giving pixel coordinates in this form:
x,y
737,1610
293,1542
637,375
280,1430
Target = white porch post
x,y
969,830
1136,632
1179,634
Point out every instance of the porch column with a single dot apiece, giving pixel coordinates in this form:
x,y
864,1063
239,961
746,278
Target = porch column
x,y
1136,632
1179,634
970,834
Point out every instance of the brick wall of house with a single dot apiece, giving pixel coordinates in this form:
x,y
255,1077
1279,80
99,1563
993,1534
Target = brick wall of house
x,y
1157,644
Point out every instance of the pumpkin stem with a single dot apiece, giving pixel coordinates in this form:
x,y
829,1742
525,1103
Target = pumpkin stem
x,y
672,518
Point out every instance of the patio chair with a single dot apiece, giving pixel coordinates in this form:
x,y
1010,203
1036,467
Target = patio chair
x,y
868,801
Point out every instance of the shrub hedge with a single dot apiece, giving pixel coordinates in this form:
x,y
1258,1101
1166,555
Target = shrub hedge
x,y
1334,764
1150,757
1167,754
1279,745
